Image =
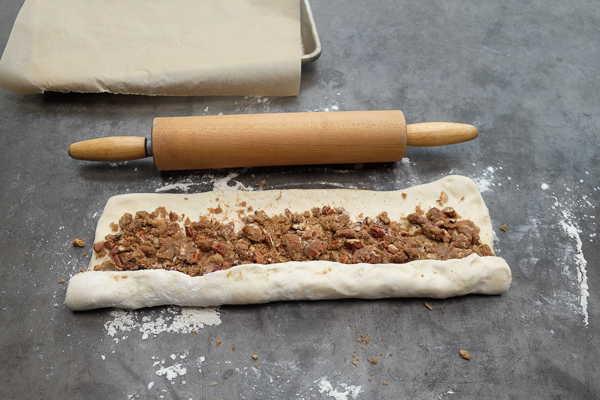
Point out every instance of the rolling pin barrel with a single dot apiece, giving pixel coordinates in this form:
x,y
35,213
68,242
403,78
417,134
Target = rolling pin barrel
x,y
227,141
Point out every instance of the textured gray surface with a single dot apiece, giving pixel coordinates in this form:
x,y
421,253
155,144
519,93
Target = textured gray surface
x,y
524,72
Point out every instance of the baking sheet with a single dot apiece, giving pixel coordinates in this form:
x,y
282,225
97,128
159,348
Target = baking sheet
x,y
229,47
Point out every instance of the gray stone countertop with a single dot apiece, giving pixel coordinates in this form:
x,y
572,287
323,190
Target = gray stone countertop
x,y
526,73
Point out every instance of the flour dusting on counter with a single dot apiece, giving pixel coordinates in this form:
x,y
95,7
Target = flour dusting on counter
x,y
485,181
171,319
212,181
570,228
172,371
221,183
327,389
182,186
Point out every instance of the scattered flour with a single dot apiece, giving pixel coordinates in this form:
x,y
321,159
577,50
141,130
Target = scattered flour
x,y
332,105
217,182
327,389
221,183
183,186
545,186
199,362
485,181
171,319
571,229
171,372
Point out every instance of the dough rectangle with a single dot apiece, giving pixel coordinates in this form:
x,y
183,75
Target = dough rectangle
x,y
311,280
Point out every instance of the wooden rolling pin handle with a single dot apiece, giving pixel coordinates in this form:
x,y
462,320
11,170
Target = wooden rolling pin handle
x,y
439,133
117,148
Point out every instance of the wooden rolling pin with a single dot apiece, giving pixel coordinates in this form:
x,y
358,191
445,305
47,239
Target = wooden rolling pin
x,y
227,141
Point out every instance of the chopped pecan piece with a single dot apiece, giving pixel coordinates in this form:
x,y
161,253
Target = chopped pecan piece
x,y
376,231
314,249
355,244
78,242
98,246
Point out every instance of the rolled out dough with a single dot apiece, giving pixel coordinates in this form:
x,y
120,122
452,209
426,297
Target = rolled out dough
x,y
312,280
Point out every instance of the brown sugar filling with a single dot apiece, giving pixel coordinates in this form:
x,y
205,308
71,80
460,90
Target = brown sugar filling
x,y
157,241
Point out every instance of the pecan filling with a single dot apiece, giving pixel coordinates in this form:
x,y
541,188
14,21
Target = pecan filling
x,y
157,241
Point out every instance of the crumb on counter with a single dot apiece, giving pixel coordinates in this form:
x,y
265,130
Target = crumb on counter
x,y
79,242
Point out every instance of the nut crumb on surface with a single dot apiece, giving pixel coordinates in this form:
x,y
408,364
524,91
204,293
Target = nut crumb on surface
x,y
79,242
426,304
354,362
373,360
363,338
426,373
404,195
114,226
384,383
262,183
503,228
465,354
217,210
370,379
61,281
219,342
213,383
443,198
256,365
233,348
254,356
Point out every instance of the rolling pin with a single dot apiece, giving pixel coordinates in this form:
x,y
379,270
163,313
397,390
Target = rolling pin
x,y
251,140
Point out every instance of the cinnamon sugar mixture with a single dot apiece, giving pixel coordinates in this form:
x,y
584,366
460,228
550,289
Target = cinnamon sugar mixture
x,y
157,241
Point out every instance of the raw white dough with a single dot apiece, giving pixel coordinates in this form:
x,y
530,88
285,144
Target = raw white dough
x,y
313,280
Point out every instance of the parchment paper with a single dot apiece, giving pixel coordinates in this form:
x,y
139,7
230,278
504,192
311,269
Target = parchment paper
x,y
155,47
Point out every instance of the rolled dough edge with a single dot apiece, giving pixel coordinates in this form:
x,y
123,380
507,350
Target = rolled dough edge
x,y
314,280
